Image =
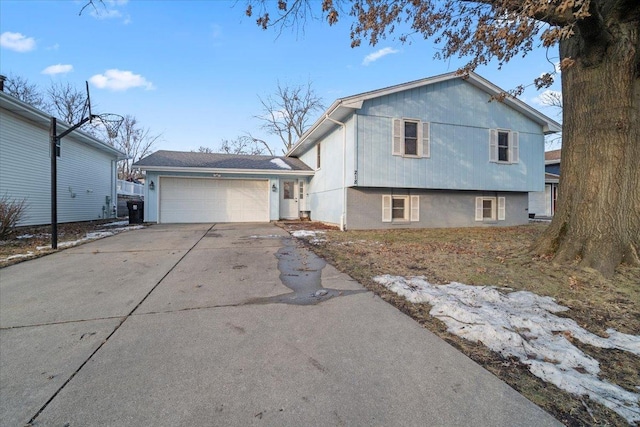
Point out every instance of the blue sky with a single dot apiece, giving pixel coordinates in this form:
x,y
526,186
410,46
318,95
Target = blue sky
x,y
193,70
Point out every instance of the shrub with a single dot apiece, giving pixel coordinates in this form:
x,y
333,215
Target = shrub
x,y
12,211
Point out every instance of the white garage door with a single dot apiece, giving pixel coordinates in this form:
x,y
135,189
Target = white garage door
x,y
184,200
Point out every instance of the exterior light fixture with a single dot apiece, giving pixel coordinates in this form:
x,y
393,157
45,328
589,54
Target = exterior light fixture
x,y
152,186
274,188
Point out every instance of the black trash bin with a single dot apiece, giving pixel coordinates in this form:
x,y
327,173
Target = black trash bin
x,y
136,211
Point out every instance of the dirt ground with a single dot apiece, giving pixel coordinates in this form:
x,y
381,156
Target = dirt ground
x,y
499,256
29,239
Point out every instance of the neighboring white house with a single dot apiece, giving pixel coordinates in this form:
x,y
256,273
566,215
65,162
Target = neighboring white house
x,y
86,167
542,204
429,153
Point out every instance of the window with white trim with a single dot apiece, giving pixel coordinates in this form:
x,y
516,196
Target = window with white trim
x,y
503,146
318,156
490,208
411,138
400,208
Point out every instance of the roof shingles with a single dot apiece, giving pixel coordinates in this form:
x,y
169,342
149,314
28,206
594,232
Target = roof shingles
x,y
182,159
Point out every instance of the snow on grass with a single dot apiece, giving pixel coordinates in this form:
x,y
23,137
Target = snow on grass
x,y
280,163
267,236
24,236
90,236
311,235
523,325
303,234
116,224
27,255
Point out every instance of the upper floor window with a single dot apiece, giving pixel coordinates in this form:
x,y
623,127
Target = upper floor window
x,y
410,138
318,156
503,146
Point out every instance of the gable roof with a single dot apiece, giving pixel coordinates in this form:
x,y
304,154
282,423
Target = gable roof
x,y
165,160
43,120
552,157
551,177
343,107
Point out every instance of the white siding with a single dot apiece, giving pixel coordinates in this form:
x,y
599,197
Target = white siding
x,y
86,175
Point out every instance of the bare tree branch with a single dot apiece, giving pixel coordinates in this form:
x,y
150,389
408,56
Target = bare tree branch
x,y
136,142
245,144
22,89
66,102
287,113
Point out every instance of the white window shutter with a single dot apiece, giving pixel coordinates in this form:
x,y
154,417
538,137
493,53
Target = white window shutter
x,y
415,209
501,208
397,137
386,208
547,200
514,147
426,144
493,145
478,208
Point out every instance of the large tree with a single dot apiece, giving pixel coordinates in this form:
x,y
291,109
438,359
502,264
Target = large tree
x,y
598,215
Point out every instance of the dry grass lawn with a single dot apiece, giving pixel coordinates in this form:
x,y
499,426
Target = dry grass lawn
x,y
499,256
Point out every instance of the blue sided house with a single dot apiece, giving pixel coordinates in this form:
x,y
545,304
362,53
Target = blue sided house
x,y
435,152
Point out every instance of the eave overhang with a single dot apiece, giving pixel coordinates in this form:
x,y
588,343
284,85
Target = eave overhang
x,y
225,171
43,120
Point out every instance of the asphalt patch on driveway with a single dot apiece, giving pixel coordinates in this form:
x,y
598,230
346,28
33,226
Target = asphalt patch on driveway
x,y
301,271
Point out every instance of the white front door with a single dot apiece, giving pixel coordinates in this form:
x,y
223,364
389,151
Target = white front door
x,y
288,199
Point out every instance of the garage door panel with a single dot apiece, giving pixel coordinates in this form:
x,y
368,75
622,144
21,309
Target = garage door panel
x,y
184,200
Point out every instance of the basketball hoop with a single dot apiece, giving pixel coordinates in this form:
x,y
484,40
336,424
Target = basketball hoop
x,y
111,122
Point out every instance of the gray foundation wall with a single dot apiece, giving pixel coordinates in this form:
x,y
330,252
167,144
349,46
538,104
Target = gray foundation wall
x,y
438,208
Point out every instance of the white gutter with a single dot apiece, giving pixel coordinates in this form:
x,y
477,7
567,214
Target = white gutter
x,y
343,217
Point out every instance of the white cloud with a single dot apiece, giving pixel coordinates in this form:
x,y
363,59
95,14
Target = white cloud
x,y
58,69
547,98
119,80
55,46
17,42
378,54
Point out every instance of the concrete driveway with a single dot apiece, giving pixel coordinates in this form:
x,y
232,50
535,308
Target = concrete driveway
x,y
189,325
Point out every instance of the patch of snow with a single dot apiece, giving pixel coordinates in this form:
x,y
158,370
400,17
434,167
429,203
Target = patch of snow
x,y
523,325
27,255
24,236
116,224
92,236
268,236
316,241
301,234
280,163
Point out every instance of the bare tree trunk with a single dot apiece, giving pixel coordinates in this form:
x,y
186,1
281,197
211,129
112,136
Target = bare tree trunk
x,y
598,215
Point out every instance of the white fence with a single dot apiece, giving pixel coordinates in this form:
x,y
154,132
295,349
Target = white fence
x,y
130,188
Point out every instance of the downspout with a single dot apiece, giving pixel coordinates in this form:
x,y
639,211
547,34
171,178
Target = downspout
x,y
343,217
